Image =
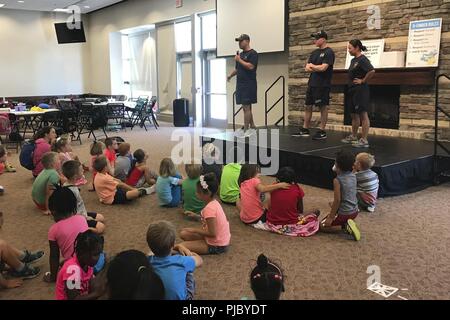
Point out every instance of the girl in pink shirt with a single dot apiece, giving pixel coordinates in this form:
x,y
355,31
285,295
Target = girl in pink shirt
x,y
214,236
74,281
68,224
62,147
43,140
250,205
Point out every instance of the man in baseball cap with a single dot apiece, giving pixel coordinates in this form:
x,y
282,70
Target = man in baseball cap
x,y
246,85
320,67
319,35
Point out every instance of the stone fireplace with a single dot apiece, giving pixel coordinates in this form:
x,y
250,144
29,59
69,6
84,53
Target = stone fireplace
x,y
384,109
403,99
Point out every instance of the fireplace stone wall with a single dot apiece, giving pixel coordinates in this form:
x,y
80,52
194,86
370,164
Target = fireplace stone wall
x,y
345,20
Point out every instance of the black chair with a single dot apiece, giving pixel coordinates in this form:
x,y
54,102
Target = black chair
x,y
137,115
115,111
149,115
69,118
9,135
52,119
92,118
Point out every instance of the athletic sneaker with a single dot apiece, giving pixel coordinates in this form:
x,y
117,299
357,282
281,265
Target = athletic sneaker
x,y
239,133
27,272
150,190
361,143
302,133
9,168
353,230
250,132
33,257
349,139
2,190
320,135
371,209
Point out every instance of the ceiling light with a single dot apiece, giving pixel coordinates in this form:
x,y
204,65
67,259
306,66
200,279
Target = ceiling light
x,y
61,10
2,5
87,7
20,1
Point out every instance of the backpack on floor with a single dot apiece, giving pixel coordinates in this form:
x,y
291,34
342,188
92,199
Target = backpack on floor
x,y
26,154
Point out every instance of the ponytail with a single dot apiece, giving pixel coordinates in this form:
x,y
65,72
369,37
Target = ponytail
x,y
356,43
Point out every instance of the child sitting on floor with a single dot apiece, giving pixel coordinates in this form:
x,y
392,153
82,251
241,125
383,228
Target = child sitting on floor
x,y
74,281
140,174
62,147
168,184
73,170
367,181
266,279
251,207
210,161
285,209
175,271
44,184
344,208
229,186
214,236
4,165
113,191
123,162
131,277
192,205
62,234
110,151
19,263
96,150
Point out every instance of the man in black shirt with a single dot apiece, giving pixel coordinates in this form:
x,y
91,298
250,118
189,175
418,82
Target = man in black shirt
x,y
246,86
320,66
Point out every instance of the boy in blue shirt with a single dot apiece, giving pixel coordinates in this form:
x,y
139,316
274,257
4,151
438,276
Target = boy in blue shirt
x,y
175,271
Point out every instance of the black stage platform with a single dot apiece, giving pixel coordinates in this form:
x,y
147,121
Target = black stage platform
x,y
403,165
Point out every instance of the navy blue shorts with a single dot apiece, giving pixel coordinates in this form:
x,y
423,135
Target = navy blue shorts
x,y
246,94
120,197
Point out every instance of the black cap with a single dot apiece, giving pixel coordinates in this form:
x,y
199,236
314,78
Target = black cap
x,y
320,34
243,37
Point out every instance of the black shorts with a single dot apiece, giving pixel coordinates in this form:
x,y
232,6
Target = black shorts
x,y
358,98
91,222
120,197
318,96
263,218
246,94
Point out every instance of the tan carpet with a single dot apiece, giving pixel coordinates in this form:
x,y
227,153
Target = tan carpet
x,y
407,237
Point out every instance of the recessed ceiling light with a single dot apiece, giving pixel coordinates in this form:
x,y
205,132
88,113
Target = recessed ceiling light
x,y
20,1
86,7
61,10
2,5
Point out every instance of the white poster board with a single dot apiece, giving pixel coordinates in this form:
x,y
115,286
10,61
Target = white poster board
x,y
375,49
424,43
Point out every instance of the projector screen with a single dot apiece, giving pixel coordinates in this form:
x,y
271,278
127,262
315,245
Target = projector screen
x,y
263,20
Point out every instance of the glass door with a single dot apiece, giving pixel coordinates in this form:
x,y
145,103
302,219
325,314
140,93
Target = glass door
x,y
216,91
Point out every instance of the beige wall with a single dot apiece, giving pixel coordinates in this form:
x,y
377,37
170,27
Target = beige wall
x,y
127,15
31,60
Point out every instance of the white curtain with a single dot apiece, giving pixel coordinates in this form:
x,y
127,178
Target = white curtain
x,y
143,64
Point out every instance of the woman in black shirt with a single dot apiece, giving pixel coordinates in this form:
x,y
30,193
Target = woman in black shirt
x,y
358,94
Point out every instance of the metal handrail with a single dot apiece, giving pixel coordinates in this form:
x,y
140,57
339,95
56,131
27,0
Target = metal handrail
x,y
436,116
282,98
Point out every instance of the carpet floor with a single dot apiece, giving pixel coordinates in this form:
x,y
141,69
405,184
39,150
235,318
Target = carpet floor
x,y
407,238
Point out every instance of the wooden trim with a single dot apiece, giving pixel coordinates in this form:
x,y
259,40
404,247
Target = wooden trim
x,y
393,76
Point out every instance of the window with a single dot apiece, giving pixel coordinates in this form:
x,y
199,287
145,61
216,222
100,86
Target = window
x,y
183,36
209,31
126,65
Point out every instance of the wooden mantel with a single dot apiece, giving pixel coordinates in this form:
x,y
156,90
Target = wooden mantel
x,y
392,76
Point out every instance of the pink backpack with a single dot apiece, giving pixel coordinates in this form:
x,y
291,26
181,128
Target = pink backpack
x,y
5,124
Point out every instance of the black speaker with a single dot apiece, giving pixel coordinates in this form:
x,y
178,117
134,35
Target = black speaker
x,y
181,112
